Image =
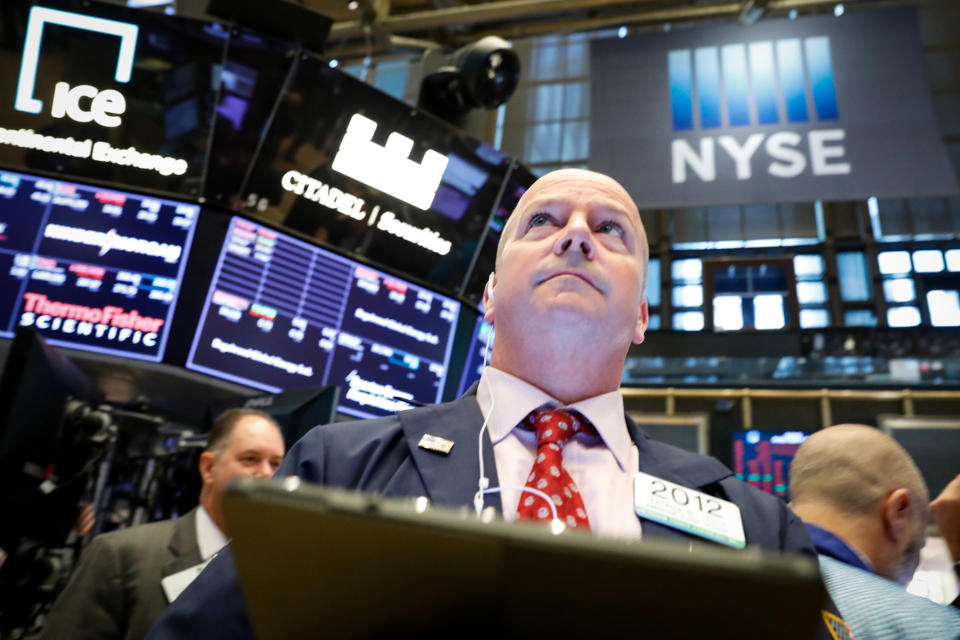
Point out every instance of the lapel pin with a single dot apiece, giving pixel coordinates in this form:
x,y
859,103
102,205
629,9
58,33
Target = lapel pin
x,y
435,443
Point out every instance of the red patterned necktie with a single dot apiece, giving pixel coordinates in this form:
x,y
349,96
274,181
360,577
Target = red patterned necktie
x,y
554,428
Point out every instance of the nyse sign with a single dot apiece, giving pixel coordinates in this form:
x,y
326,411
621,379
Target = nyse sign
x,y
816,108
743,85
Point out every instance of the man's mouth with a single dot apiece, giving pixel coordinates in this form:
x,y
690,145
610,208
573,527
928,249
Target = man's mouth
x,y
576,274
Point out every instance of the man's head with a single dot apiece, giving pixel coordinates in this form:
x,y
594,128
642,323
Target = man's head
x,y
571,268
860,484
241,443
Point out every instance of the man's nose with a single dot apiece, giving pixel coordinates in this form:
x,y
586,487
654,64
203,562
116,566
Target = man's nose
x,y
576,237
263,470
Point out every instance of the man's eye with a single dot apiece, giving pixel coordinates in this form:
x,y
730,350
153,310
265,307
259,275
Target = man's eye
x,y
539,220
612,228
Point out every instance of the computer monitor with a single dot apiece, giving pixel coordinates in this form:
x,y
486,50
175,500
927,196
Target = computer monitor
x,y
762,458
481,342
91,268
295,411
282,314
932,441
690,431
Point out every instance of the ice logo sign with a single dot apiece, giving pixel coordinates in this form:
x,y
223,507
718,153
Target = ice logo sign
x,y
751,80
104,107
389,168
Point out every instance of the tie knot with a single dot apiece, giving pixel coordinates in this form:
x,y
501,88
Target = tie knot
x,y
557,426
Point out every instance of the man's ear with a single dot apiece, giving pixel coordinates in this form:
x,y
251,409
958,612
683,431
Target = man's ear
x,y
207,461
642,321
897,522
488,297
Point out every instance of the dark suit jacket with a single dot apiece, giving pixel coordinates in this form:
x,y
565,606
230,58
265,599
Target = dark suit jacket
x,y
382,456
115,591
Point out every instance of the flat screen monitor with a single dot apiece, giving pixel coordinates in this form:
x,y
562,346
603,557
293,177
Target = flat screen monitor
x,y
91,268
283,314
516,185
932,441
356,169
480,342
762,458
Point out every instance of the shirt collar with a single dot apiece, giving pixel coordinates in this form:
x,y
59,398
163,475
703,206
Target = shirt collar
x,y
830,544
510,399
209,537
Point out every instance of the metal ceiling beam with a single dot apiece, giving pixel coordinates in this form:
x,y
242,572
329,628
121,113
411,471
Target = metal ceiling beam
x,y
470,14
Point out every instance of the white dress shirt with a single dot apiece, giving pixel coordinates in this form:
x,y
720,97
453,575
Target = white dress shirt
x,y
603,467
209,537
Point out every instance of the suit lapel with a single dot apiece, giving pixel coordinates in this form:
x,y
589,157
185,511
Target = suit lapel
x,y
451,479
681,467
183,548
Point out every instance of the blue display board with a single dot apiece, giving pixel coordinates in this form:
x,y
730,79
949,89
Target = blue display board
x,y
284,314
91,268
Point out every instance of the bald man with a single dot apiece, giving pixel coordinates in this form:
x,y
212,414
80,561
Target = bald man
x,y
866,506
567,301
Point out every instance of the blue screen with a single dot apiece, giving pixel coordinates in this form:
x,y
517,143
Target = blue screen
x,y
91,268
284,314
482,335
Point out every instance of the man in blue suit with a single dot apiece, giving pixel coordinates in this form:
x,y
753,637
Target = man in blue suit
x,y
567,300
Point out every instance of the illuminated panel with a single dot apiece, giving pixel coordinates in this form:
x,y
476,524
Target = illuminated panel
x,y
282,314
762,458
91,268
473,367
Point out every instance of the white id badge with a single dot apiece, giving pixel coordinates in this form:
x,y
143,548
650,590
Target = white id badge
x,y
688,510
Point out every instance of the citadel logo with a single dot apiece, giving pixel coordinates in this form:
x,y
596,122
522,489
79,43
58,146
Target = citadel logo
x,y
105,107
389,167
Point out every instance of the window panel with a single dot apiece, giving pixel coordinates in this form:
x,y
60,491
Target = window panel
x,y
548,102
728,313
894,262
903,316
859,318
768,311
652,291
811,292
814,318
852,272
543,143
928,261
953,259
690,295
576,100
688,321
808,266
576,141
687,270
944,307
899,290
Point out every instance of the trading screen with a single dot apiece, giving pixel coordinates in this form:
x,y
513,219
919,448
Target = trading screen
x,y
91,268
283,314
763,458
480,345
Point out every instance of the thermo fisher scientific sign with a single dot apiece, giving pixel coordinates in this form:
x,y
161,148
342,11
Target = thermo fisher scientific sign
x,y
91,268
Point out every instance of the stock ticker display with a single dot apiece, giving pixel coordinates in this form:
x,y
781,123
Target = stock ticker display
x,y
480,342
91,268
762,458
282,314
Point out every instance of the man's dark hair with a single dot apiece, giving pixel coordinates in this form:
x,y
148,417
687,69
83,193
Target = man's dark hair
x,y
227,421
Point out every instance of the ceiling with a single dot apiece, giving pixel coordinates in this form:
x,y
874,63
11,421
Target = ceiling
x,y
375,27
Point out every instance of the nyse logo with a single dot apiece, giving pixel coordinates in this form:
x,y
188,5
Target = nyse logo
x,y
785,82
82,103
389,167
